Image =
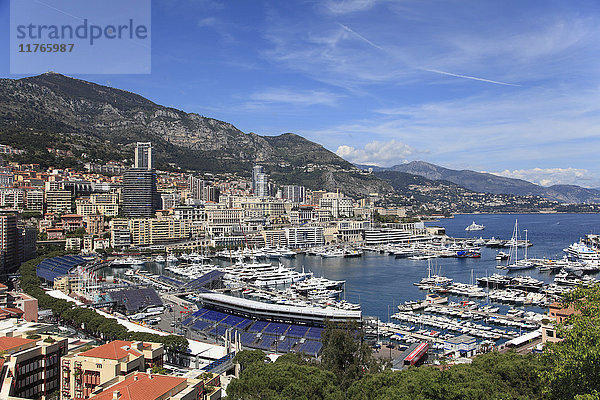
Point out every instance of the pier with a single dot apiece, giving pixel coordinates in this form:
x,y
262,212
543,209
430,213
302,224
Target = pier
x,y
415,335
484,313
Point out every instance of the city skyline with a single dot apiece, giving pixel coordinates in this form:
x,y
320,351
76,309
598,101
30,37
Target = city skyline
x,y
508,89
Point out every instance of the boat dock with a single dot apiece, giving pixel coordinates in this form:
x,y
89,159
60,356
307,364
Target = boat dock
x,y
501,242
415,335
485,314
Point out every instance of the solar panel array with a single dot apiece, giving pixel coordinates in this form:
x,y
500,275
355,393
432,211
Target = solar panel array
x,y
52,268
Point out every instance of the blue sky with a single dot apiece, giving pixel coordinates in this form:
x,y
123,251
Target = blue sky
x,y
510,87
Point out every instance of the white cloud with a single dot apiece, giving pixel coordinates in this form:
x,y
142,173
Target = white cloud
x,y
536,127
377,153
296,97
553,176
223,28
354,52
339,7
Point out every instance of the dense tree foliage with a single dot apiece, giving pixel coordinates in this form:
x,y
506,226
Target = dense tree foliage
x,y
346,355
490,376
246,357
287,378
574,363
87,319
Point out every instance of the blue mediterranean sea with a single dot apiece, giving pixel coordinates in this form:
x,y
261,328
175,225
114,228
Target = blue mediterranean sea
x,y
380,282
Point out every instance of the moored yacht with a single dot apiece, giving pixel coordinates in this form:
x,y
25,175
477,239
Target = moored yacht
x,y
475,227
493,242
129,261
282,276
333,253
582,252
518,264
315,283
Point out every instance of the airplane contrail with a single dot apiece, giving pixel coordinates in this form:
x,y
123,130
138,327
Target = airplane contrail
x,y
437,71
361,37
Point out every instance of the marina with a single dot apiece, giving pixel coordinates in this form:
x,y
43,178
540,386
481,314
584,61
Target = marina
x,y
471,297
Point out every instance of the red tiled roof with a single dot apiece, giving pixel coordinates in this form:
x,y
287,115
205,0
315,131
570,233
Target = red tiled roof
x,y
144,388
13,310
8,343
114,350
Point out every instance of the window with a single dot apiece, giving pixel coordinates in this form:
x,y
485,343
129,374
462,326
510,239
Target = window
x,y
549,333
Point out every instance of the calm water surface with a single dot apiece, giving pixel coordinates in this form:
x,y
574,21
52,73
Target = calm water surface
x,y
380,282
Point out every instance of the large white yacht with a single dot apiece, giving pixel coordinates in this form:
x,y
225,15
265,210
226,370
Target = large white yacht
x,y
316,283
282,276
129,261
582,252
475,227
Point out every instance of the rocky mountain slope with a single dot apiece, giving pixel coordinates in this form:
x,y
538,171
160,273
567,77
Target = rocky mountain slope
x,y
104,123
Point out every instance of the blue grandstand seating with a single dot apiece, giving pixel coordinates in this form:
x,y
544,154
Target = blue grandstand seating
x,y
136,299
314,333
204,280
55,267
258,326
219,330
214,316
232,320
217,323
247,338
286,345
311,347
297,331
266,342
244,324
171,281
201,325
199,312
276,328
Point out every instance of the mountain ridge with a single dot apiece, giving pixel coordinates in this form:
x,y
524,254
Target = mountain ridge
x,y
489,183
84,116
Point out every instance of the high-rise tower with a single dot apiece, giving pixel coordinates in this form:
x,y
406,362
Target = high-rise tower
x,y
143,156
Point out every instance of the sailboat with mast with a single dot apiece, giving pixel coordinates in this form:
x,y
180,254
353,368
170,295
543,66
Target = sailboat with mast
x,y
516,263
